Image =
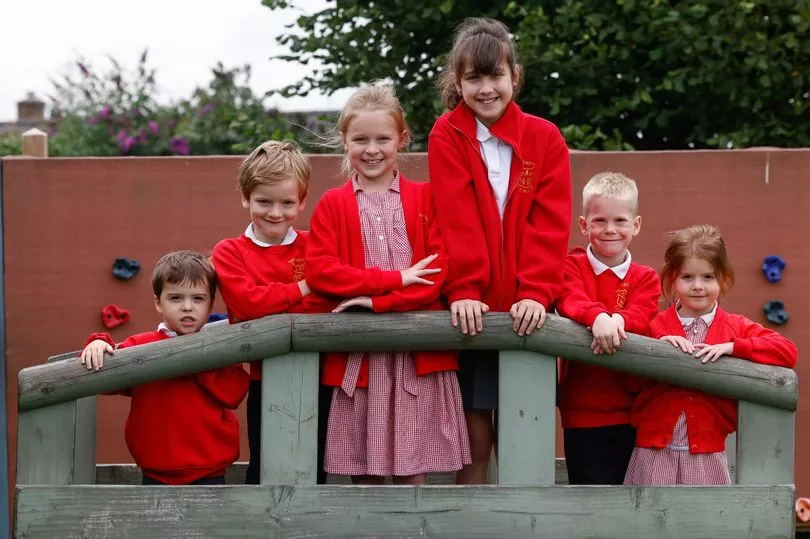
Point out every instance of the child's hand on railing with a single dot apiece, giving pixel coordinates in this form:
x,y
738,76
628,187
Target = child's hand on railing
x,y
712,352
93,354
680,342
528,316
416,273
606,334
470,313
359,301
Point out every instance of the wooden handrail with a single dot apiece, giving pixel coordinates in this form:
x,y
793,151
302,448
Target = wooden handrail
x,y
61,381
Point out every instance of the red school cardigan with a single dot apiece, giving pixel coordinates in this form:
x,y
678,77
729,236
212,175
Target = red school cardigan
x,y
336,269
520,257
709,418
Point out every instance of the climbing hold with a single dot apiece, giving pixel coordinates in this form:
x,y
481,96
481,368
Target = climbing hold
x,y
113,316
125,268
216,317
775,312
803,509
772,267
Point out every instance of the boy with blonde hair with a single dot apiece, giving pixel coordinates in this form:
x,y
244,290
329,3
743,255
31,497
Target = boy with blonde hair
x,y
610,294
261,272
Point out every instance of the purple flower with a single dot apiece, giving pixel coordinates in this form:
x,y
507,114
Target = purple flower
x,y
179,146
154,127
142,136
105,111
92,120
127,144
122,136
205,110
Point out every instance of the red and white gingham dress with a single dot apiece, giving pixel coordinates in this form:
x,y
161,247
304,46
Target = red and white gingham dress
x,y
675,465
402,424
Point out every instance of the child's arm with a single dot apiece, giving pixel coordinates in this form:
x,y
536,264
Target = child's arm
x,y
574,303
545,239
327,274
96,346
228,385
245,299
459,219
642,304
754,343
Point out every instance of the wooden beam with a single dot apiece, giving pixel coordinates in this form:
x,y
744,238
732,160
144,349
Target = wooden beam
x,y
61,381
46,446
277,335
765,446
438,512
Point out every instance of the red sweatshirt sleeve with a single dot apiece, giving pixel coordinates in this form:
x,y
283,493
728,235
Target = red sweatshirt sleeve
x,y
412,297
642,303
574,302
228,386
243,296
106,337
327,273
545,240
459,218
762,345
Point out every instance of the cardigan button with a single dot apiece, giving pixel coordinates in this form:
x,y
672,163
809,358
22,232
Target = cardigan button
x,y
694,447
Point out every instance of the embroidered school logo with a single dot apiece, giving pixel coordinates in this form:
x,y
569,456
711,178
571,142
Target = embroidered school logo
x,y
621,295
297,268
526,180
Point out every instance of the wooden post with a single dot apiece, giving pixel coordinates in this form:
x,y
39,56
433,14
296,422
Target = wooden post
x,y
764,445
526,418
47,448
35,143
289,419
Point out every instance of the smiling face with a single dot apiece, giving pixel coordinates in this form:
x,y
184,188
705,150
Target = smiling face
x,y
273,209
185,307
697,287
610,225
488,94
372,141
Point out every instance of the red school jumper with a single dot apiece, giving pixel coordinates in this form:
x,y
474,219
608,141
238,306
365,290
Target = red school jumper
x,y
258,281
521,256
183,429
709,418
591,396
336,268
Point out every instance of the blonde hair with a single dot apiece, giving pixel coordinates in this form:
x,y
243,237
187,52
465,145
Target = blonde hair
x,y
377,96
180,267
612,185
272,162
699,241
481,44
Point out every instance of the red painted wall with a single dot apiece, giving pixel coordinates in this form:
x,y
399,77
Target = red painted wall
x,y
66,220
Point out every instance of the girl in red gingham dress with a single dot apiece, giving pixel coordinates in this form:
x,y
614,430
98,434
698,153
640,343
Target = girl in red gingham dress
x,y
681,434
397,414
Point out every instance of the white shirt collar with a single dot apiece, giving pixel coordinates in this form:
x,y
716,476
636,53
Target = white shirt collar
x,y
163,328
482,132
289,237
600,267
708,317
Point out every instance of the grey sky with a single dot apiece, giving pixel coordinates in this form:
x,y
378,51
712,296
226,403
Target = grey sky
x,y
41,38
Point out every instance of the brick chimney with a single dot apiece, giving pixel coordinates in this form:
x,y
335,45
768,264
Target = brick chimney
x,y
30,109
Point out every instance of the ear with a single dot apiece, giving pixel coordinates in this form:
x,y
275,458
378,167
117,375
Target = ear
x,y
245,202
402,138
636,225
158,307
583,225
516,76
302,204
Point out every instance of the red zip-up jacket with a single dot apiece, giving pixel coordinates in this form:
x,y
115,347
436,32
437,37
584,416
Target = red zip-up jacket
x,y
183,429
709,418
522,257
336,268
592,396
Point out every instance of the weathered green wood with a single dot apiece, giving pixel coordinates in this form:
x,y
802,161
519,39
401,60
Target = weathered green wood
x,y
438,512
67,380
526,418
764,445
731,453
289,419
46,442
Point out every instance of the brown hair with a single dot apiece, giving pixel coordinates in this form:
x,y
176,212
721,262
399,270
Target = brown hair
x,y
698,241
271,162
480,44
180,267
373,97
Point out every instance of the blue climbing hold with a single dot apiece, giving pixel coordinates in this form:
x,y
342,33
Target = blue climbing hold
x,y
772,267
775,312
125,268
216,317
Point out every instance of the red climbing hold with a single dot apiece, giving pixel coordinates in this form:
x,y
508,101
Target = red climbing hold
x,y
114,316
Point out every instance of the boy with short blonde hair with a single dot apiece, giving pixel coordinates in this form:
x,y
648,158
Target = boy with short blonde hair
x,y
610,294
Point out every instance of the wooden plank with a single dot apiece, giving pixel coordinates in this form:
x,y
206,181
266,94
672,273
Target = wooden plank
x,y
437,512
46,445
765,445
731,454
526,418
61,381
290,419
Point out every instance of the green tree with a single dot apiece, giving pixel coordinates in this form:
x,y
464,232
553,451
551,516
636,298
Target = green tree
x,y
644,74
